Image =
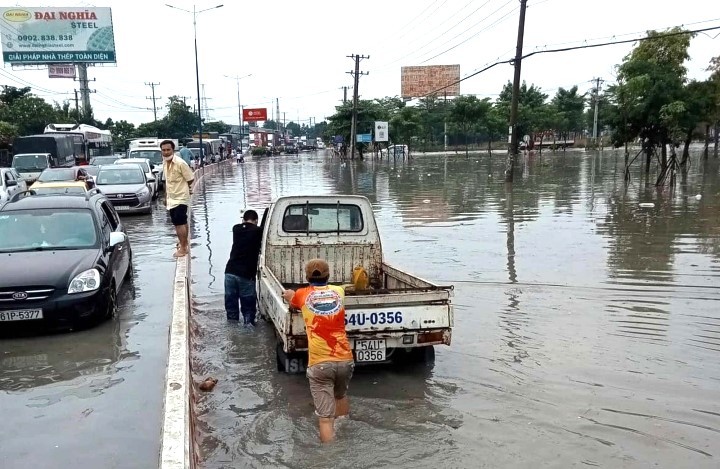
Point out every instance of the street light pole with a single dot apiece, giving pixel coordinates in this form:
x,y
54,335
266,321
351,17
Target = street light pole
x,y
237,81
197,72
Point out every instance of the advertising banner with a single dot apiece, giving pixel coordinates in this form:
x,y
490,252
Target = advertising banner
x,y
254,115
440,80
363,138
61,71
381,131
57,35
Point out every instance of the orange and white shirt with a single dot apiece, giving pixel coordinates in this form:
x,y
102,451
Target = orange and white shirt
x,y
324,315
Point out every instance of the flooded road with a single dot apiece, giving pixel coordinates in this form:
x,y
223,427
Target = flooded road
x,y
94,398
587,328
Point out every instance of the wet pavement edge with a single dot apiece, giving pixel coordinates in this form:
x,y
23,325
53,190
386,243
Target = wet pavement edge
x,y
177,447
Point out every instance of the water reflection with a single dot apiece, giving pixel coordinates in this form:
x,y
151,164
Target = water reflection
x,y
572,300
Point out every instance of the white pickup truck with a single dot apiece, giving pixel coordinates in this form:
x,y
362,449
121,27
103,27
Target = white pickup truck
x,y
397,316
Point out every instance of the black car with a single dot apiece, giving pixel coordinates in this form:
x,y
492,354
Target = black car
x,y
63,259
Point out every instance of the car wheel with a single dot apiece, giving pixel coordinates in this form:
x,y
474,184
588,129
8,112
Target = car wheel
x,y
111,307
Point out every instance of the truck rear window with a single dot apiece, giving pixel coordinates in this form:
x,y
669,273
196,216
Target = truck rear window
x,y
322,218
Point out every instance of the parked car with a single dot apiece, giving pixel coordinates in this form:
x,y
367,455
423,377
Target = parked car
x,y
75,173
61,187
150,172
126,186
290,149
10,184
100,160
64,259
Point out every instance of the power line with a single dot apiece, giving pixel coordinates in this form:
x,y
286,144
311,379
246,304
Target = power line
x,y
565,49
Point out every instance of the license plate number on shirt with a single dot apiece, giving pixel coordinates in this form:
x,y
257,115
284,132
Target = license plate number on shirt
x,y
21,315
370,350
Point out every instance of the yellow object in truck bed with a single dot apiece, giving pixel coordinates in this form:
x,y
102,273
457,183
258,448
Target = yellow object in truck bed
x,y
360,278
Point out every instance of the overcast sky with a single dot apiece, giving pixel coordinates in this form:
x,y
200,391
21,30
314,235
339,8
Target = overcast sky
x,y
296,50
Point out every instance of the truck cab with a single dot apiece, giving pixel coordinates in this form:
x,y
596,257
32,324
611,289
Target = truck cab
x,y
30,165
393,314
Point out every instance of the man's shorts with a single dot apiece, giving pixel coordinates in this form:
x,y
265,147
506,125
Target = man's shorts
x,y
329,381
178,215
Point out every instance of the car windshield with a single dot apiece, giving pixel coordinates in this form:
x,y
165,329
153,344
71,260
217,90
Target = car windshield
x,y
46,229
120,176
91,170
143,165
59,190
98,160
30,162
51,175
155,156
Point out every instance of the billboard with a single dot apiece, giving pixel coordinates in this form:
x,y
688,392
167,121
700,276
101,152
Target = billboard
x,y
381,131
421,81
57,35
61,71
363,138
253,115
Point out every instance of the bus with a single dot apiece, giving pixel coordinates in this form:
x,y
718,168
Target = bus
x,y
91,141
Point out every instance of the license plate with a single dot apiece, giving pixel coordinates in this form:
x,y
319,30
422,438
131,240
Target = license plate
x,y
370,350
21,315
120,208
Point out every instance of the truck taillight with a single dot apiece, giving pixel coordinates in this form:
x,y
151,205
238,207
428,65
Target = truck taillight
x,y
426,337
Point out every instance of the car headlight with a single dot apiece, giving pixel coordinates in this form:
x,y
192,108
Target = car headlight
x,y
143,191
85,281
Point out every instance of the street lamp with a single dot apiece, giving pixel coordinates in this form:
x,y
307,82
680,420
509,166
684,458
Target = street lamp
x,y
197,71
240,120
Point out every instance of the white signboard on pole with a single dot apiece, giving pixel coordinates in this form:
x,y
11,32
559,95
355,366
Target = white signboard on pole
x,y
381,131
61,71
57,35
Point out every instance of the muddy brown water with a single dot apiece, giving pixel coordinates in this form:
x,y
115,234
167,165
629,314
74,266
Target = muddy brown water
x,y
587,328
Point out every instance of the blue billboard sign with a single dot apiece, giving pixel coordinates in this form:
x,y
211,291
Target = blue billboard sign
x,y
364,138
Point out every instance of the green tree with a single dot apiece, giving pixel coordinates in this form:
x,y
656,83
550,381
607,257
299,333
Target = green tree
x,y
651,78
530,101
219,127
467,113
122,131
405,125
570,106
29,113
8,132
179,122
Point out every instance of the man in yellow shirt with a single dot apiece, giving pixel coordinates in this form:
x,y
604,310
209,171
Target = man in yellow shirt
x,y
178,180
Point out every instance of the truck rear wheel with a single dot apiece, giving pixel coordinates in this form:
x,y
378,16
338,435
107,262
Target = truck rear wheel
x,y
417,355
291,363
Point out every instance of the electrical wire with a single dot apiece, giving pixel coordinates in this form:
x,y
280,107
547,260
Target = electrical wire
x,y
566,49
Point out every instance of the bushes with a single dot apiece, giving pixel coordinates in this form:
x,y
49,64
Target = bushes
x,y
259,151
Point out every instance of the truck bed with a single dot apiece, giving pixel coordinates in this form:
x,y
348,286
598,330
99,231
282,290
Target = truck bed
x,y
392,287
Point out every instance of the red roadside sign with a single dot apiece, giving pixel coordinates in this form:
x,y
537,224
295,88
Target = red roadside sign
x,y
257,114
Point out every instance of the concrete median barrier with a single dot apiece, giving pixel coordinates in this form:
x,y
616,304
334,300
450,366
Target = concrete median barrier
x,y
177,449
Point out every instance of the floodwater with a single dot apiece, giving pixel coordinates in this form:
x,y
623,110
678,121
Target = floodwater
x,y
587,328
93,398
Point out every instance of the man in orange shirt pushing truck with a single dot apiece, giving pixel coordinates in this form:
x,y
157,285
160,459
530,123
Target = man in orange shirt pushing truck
x,y
330,358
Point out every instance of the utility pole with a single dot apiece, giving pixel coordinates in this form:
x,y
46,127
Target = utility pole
x,y
153,85
77,106
344,94
353,126
596,97
512,151
277,113
84,89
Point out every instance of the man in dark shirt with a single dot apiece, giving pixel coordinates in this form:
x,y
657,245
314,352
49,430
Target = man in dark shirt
x,y
241,269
